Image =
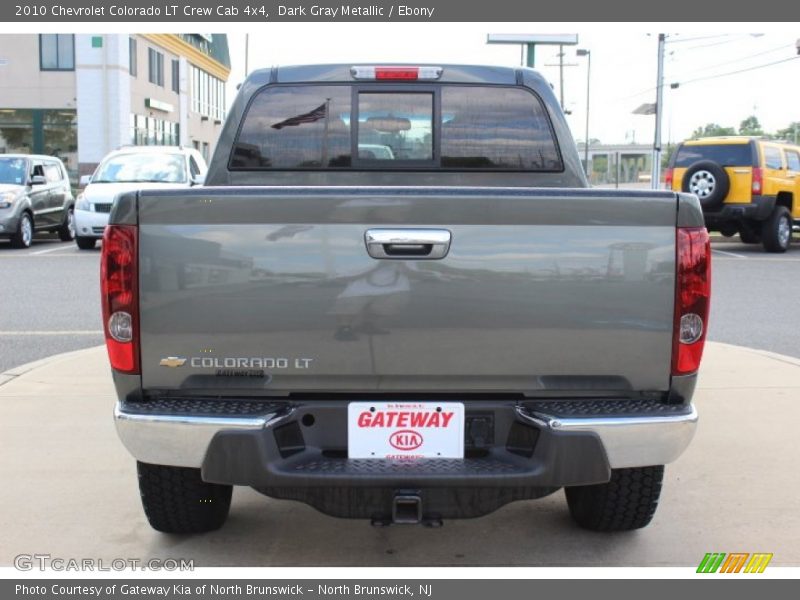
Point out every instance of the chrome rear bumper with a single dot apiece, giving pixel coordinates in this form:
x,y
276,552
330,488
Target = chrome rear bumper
x,y
184,439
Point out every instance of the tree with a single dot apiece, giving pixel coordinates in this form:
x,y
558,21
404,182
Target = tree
x,y
790,133
712,130
750,126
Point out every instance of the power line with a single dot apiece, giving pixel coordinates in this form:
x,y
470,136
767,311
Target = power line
x,y
777,62
695,39
742,58
723,42
651,89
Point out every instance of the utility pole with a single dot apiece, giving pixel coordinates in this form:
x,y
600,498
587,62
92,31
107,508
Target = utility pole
x,y
588,55
656,173
561,75
246,54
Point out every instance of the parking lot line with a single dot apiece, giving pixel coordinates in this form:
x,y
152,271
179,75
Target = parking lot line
x,y
733,254
34,255
46,250
56,332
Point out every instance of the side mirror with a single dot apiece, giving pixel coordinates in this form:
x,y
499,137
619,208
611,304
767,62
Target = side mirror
x,y
197,179
85,180
38,180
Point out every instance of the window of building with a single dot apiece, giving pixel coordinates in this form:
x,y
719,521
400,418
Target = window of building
x,y
208,94
41,131
149,131
133,64
176,76
56,52
155,61
205,151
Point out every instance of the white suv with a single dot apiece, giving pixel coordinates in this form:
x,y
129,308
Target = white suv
x,y
128,169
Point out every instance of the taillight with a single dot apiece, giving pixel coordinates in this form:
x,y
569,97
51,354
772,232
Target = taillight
x,y
758,180
396,73
668,174
692,298
119,288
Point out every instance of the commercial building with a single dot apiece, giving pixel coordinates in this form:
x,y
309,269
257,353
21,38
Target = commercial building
x,y
80,96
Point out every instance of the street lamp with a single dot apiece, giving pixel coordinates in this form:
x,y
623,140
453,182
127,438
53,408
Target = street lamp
x,y
588,55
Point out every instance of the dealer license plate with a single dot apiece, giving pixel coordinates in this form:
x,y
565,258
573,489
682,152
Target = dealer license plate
x,y
405,430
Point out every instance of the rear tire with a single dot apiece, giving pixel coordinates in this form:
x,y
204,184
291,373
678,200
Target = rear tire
x,y
776,232
626,502
177,500
85,243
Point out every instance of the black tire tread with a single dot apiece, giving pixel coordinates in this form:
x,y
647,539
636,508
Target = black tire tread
x,y
16,237
628,501
85,243
177,500
769,231
750,233
63,231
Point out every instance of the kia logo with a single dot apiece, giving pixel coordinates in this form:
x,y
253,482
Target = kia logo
x,y
405,439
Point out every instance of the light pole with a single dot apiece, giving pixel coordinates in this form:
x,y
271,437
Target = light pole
x,y
656,176
588,55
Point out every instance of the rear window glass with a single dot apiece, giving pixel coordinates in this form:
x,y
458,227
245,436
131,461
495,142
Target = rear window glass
x,y
395,126
297,127
496,128
475,128
727,155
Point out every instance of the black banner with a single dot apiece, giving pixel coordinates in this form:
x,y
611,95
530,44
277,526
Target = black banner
x,y
389,589
260,11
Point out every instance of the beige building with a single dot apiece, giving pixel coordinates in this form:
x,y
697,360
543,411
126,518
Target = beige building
x,y
80,96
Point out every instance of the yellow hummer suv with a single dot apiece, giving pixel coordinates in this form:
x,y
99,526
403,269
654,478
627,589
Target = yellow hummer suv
x,y
746,185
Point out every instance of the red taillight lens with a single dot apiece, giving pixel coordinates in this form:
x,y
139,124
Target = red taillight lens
x,y
119,288
407,73
668,179
692,298
397,73
758,180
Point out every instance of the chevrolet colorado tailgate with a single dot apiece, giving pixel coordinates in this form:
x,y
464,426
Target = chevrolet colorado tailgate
x,y
279,290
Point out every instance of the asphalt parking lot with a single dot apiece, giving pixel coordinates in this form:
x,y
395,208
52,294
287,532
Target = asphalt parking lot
x,y
51,300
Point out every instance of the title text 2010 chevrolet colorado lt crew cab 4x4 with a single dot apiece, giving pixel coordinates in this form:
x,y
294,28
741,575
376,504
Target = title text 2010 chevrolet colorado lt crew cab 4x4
x,y
397,300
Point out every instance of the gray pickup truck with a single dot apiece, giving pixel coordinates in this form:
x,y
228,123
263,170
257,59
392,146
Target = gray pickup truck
x,y
397,299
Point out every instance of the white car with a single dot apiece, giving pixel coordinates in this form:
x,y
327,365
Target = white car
x,y
129,169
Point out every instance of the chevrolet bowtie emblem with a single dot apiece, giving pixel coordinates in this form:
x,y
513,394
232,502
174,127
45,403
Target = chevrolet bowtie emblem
x,y
172,361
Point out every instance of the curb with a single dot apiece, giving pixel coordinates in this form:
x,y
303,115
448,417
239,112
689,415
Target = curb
x,y
784,358
15,372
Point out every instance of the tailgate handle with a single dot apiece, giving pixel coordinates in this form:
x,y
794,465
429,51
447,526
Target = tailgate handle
x,y
420,244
